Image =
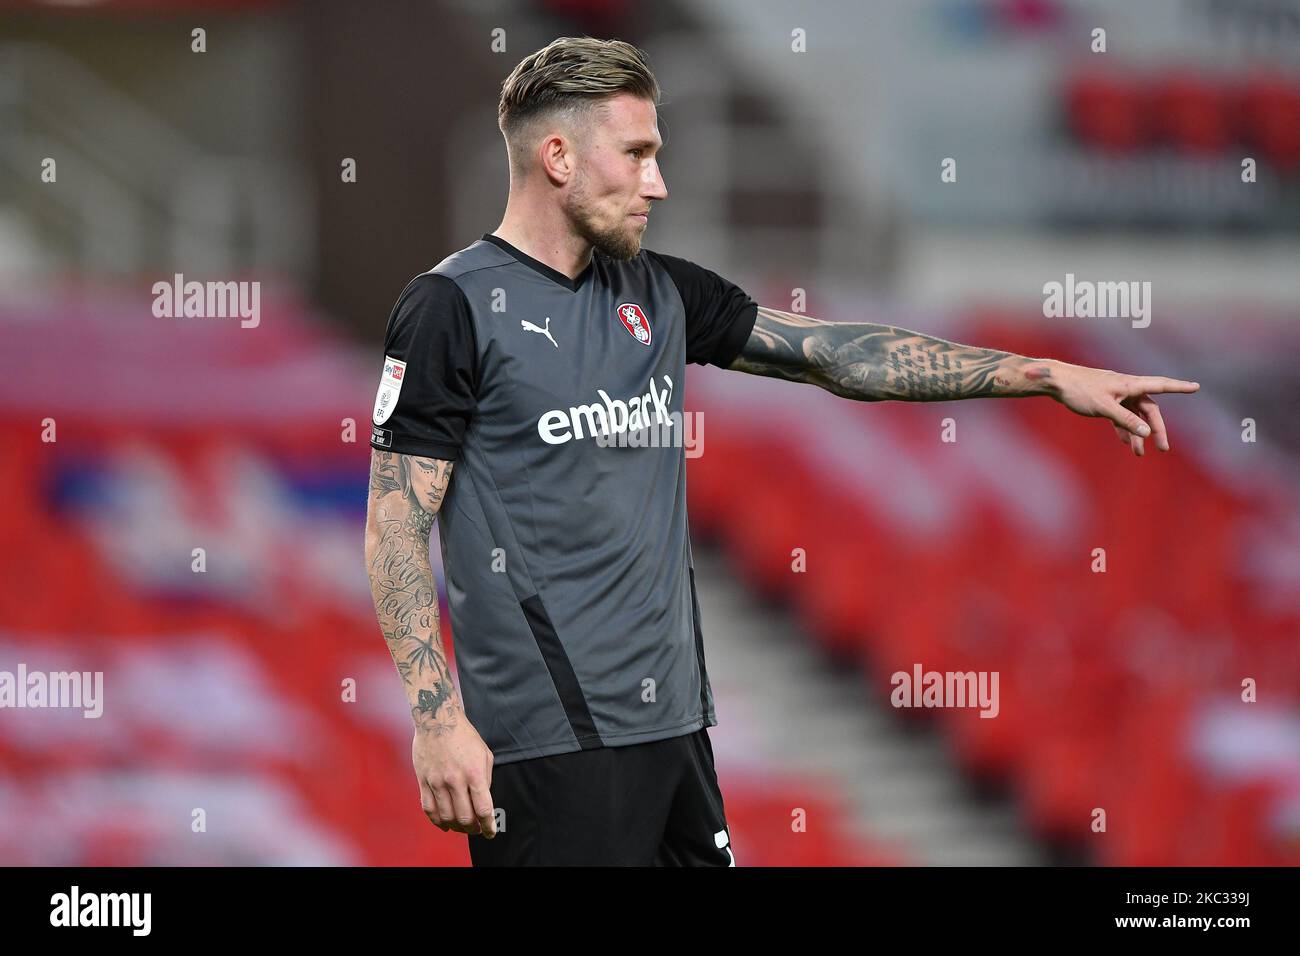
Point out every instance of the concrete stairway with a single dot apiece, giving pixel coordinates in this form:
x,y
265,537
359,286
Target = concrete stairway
x,y
781,703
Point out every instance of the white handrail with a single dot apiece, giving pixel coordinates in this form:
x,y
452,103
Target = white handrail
x,y
136,176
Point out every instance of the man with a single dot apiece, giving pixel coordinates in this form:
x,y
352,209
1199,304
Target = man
x,y
516,373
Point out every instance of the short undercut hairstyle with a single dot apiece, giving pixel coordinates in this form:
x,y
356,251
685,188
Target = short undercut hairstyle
x,y
568,79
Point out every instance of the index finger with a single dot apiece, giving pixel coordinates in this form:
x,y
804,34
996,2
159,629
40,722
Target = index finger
x,y
1158,383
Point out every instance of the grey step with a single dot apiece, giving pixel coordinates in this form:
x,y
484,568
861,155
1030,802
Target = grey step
x,y
898,788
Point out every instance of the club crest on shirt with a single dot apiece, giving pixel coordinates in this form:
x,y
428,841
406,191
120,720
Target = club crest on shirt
x,y
390,386
635,321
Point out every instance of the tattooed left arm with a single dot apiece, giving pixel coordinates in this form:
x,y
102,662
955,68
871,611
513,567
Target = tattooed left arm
x,y
872,363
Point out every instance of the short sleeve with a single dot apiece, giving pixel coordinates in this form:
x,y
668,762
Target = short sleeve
x,y
428,386
719,314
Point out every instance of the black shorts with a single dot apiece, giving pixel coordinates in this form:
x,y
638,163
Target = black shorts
x,y
652,804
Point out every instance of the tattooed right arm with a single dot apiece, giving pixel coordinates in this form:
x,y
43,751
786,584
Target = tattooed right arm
x,y
405,494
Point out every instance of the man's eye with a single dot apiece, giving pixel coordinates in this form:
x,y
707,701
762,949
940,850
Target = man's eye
x,y
636,152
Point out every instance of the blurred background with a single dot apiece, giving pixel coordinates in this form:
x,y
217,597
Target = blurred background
x,y
804,144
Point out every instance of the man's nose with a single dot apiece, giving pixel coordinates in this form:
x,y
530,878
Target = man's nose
x,y
653,182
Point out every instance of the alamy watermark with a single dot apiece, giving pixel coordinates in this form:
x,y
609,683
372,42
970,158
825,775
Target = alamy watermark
x,y
1085,299
75,908
922,688
76,690
208,300
679,430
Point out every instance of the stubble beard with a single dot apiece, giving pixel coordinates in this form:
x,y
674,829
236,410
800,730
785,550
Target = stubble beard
x,y
617,242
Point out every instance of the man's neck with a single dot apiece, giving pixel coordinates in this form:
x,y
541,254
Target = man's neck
x,y
549,243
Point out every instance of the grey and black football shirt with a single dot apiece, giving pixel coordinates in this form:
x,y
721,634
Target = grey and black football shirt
x,y
564,538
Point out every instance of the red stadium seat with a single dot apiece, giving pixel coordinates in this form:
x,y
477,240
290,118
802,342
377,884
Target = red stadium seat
x,y
1107,113
1191,113
1269,114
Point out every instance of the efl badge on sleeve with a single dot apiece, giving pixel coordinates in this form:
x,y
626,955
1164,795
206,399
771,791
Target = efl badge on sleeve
x,y
390,386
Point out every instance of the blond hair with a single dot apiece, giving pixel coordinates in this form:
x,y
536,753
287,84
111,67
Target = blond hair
x,y
570,76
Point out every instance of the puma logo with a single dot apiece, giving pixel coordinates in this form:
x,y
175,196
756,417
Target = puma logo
x,y
529,327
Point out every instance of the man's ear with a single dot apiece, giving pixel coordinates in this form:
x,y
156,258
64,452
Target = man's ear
x,y
556,153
